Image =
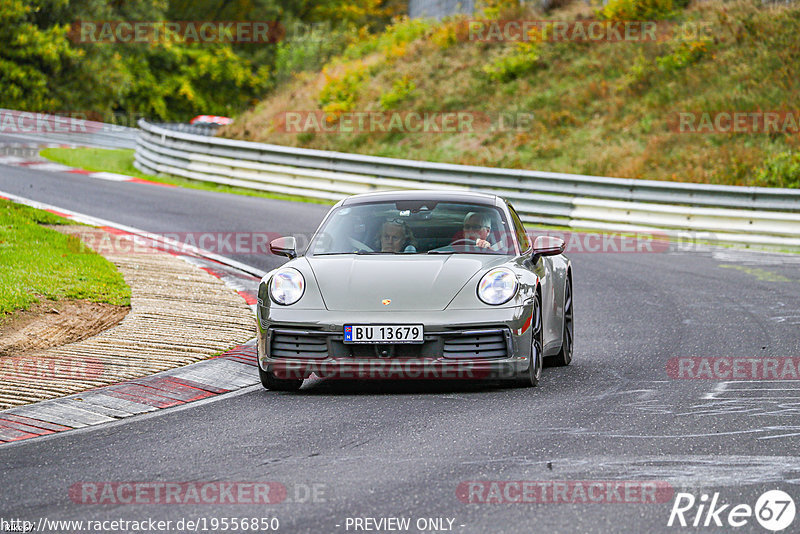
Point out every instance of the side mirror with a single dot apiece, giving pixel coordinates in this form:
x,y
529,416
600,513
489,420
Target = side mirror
x,y
546,245
284,246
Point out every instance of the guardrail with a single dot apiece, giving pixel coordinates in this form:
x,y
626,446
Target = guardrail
x,y
45,128
197,129
746,215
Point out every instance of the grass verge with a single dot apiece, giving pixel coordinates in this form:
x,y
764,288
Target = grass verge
x,y
36,261
120,161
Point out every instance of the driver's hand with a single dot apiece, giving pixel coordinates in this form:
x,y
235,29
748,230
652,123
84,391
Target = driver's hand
x,y
482,243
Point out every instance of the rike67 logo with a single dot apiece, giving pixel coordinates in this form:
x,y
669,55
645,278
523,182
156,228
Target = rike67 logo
x,y
774,510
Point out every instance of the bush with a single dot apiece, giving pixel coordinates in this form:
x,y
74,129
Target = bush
x,y
685,53
782,170
523,59
503,9
309,51
638,9
550,5
401,32
401,90
449,32
341,92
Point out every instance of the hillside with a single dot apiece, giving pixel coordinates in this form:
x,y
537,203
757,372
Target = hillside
x,y
597,107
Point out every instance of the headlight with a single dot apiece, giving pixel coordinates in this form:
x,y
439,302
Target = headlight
x,y
287,286
497,286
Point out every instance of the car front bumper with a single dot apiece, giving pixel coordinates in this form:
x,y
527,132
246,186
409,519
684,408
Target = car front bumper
x,y
459,344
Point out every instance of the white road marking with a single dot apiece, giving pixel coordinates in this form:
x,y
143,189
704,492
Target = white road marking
x,y
761,390
48,166
755,257
113,177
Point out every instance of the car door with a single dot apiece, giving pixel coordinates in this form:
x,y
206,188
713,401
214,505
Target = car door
x,y
544,270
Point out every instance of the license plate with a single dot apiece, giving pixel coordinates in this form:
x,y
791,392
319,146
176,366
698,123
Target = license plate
x,y
383,333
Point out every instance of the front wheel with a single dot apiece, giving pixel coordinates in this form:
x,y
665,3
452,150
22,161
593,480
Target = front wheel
x,y
534,372
269,381
564,356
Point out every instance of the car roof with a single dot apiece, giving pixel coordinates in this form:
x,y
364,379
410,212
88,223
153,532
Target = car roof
x,y
423,194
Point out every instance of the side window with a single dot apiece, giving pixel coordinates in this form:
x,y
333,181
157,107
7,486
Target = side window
x,y
519,229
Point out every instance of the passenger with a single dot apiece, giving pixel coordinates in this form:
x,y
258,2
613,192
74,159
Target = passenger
x,y
396,236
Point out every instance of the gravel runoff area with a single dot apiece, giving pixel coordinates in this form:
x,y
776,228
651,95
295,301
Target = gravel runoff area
x,y
180,314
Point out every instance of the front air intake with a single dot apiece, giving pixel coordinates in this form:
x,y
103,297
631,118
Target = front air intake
x,y
489,345
298,345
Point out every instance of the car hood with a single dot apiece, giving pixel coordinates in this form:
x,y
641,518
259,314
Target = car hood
x,y
427,282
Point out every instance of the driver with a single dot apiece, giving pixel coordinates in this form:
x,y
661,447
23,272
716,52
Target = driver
x,y
395,236
477,227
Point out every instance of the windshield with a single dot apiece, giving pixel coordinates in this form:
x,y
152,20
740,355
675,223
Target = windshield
x,y
414,227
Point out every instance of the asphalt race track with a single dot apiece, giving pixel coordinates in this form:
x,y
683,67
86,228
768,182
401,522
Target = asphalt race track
x,y
365,449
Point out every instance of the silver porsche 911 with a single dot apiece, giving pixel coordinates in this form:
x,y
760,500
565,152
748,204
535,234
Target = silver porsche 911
x,y
416,285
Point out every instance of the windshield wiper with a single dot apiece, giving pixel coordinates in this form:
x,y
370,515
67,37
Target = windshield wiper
x,y
442,251
346,252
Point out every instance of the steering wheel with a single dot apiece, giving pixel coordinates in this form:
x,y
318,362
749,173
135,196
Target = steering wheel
x,y
358,246
464,243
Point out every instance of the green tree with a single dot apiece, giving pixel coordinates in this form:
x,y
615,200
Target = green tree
x,y
32,56
43,67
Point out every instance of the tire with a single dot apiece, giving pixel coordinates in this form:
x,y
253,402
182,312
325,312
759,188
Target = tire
x,y
564,356
269,381
534,372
